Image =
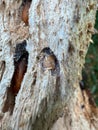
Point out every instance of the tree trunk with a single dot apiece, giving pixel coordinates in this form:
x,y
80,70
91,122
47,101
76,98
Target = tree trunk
x,y
50,62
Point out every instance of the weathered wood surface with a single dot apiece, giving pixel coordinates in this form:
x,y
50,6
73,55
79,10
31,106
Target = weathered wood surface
x,y
65,27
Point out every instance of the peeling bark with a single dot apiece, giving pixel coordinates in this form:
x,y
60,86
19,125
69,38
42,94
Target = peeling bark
x,y
65,27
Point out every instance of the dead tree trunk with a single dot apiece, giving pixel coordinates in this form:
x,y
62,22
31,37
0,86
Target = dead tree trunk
x,y
46,68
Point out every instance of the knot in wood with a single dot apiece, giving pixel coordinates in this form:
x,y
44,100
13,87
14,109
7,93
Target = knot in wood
x,y
48,62
47,59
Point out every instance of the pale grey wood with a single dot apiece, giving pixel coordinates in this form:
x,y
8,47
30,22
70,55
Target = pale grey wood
x,y
66,27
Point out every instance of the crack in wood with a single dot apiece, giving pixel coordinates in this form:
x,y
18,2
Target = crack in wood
x,y
20,63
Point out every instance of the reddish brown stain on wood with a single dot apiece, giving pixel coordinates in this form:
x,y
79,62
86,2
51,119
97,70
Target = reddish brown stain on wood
x,y
25,12
20,70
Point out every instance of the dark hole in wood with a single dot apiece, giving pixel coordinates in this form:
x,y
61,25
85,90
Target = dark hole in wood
x,y
34,81
20,63
82,106
61,40
81,53
3,3
10,101
2,68
82,86
71,48
24,1
48,61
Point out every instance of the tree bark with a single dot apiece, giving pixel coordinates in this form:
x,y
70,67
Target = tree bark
x,y
47,95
